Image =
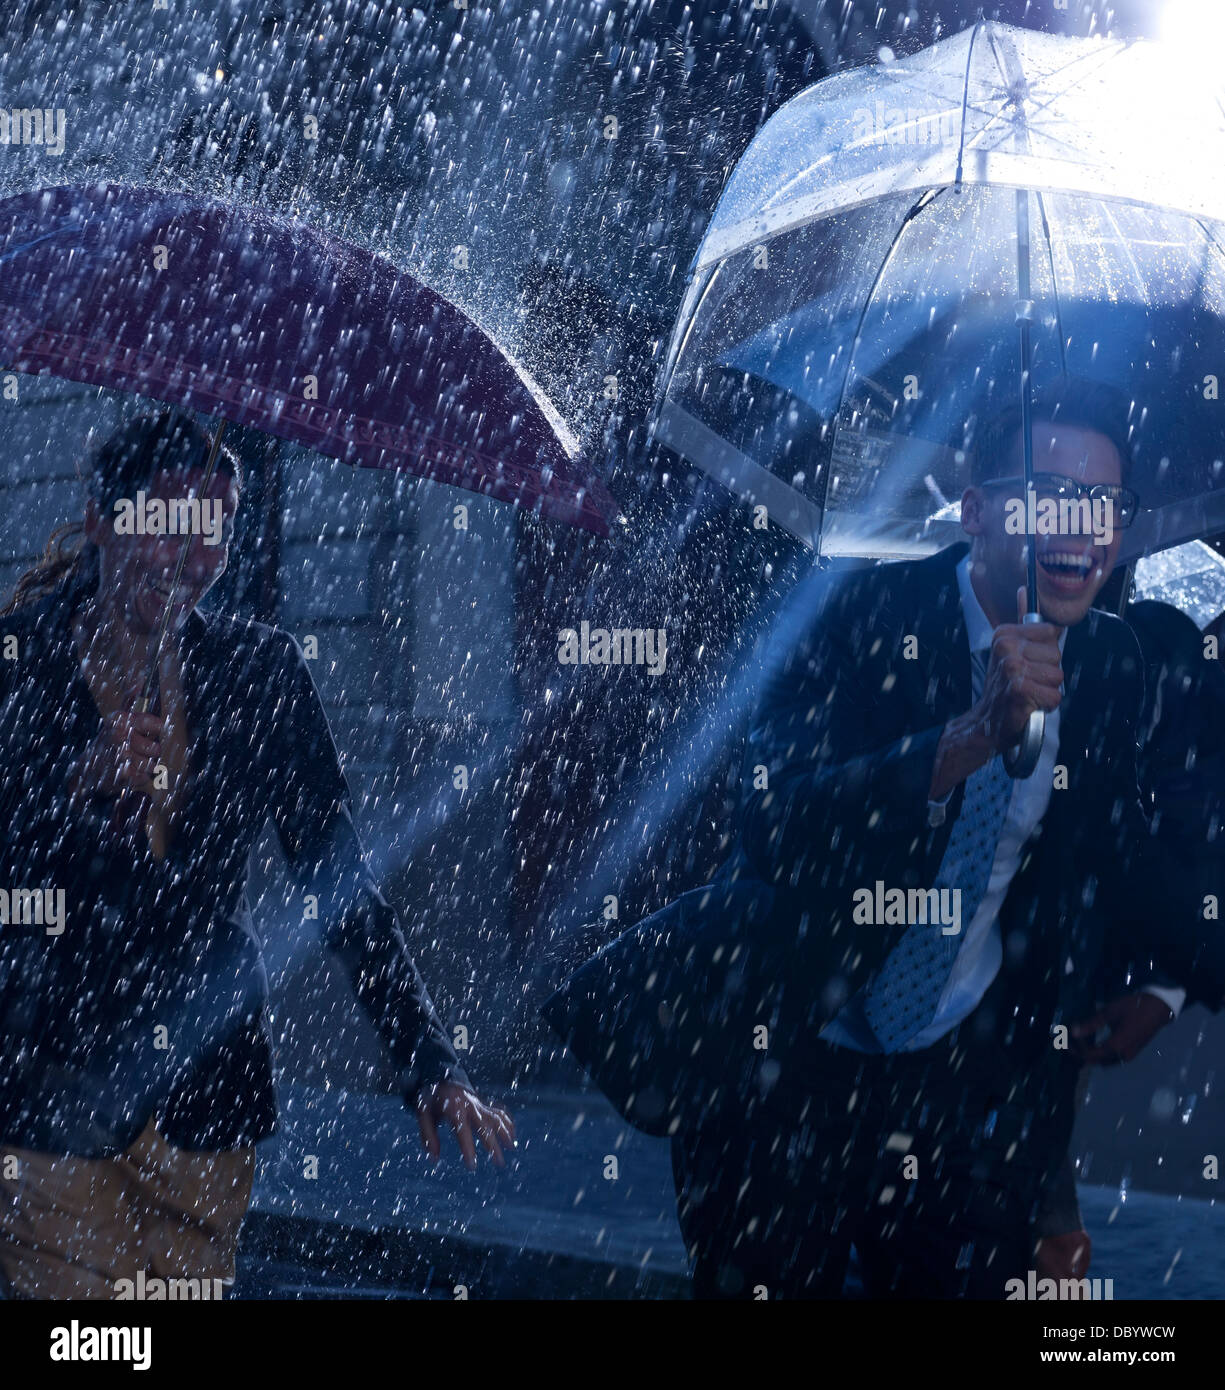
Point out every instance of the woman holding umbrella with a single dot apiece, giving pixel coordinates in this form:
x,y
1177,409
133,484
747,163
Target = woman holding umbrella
x,y
135,1070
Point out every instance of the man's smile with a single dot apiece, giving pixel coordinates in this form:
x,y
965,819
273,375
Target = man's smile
x,y
1069,571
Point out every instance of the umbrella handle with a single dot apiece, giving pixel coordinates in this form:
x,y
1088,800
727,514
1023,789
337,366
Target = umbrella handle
x,y
1021,759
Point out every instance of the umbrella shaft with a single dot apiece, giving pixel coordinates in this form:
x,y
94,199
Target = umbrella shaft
x,y
1025,318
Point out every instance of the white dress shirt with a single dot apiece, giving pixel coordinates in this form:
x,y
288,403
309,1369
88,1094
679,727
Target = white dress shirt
x,y
981,953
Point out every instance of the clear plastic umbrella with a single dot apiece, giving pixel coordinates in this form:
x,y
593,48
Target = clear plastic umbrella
x,y
851,315
907,248
1191,577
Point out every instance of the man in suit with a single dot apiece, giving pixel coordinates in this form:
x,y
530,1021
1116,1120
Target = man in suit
x,y
906,1085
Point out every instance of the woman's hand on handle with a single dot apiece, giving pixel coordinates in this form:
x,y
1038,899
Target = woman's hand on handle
x,y
122,758
469,1117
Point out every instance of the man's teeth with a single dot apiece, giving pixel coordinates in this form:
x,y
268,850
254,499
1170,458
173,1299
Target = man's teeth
x,y
1070,562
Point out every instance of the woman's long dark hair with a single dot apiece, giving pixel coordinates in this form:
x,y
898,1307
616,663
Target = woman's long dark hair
x,y
125,462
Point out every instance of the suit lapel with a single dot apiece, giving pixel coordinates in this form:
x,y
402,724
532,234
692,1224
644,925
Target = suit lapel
x,y
930,608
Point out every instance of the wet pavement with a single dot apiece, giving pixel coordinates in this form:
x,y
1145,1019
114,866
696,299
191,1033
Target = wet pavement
x,y
585,1210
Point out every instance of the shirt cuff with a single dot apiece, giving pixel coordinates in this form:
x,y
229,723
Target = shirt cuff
x,y
1172,998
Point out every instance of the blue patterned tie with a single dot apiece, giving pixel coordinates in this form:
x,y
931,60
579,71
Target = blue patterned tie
x,y
903,998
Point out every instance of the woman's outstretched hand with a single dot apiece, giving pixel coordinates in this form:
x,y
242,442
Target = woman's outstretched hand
x,y
468,1116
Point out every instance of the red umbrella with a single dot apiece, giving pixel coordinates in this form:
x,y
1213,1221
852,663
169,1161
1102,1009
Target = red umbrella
x,y
266,322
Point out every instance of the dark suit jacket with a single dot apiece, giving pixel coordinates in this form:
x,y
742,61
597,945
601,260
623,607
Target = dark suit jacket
x,y
846,731
172,944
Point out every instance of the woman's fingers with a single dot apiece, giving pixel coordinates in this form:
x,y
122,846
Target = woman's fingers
x,y
487,1129
471,1120
467,1145
135,744
506,1126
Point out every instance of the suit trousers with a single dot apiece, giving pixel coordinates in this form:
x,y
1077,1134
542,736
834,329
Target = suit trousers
x,y
932,1164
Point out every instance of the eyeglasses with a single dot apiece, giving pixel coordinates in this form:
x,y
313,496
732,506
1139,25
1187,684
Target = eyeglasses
x,y
1124,502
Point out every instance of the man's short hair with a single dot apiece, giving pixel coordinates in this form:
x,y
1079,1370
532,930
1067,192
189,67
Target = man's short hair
x,y
1088,405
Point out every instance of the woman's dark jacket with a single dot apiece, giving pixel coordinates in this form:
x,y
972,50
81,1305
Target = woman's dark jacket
x,y
150,1003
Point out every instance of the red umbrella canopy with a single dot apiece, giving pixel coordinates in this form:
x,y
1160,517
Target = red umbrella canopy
x,y
269,323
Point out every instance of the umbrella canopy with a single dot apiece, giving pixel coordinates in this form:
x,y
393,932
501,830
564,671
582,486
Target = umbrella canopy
x,y
1190,576
268,323
850,319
